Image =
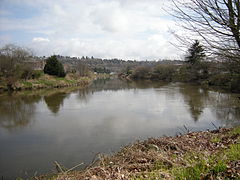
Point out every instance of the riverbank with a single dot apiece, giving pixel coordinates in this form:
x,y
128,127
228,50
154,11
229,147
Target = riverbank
x,y
198,155
49,82
205,74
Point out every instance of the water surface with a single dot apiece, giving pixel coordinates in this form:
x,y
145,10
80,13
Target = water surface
x,y
72,125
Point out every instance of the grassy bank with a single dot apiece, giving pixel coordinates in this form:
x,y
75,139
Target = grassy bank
x,y
198,155
47,81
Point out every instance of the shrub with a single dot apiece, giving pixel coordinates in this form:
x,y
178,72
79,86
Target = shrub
x,y
235,83
27,72
164,72
220,80
37,74
141,73
183,74
54,67
12,63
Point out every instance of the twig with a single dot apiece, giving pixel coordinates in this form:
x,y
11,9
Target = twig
x,y
93,160
35,176
187,130
73,168
58,166
215,126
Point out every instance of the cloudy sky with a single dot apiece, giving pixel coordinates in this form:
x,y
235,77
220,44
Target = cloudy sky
x,y
126,29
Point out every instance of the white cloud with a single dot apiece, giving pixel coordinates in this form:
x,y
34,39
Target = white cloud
x,y
110,17
40,39
108,28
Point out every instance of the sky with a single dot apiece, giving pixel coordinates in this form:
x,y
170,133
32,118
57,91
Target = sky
x,y
123,29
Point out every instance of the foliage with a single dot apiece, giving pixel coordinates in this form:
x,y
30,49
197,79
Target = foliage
x,y
195,54
37,74
235,83
127,70
101,70
27,72
82,69
164,72
12,67
226,80
54,67
141,72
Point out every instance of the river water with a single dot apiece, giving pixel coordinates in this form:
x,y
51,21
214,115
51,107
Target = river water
x,y
73,125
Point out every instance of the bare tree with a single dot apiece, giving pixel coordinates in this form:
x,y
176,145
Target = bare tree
x,y
82,69
217,22
12,60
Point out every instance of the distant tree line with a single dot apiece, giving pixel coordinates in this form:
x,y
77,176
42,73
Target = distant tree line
x,y
195,69
102,70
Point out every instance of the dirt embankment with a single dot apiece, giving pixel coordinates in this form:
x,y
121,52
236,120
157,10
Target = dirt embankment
x,y
198,155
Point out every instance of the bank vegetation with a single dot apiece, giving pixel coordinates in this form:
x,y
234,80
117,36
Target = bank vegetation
x,y
17,71
197,67
194,155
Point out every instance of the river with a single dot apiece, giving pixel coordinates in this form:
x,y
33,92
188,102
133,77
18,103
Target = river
x,y
73,125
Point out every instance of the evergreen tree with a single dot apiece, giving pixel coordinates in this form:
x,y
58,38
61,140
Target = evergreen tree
x,y
54,67
196,53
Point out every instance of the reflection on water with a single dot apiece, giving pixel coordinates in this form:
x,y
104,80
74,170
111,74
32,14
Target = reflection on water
x,y
55,101
226,108
71,125
17,111
195,97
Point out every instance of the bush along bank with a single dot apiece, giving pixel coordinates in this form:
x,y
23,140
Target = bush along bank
x,y
47,81
18,71
204,73
197,155
195,69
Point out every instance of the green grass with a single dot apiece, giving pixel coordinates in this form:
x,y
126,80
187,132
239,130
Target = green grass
x,y
219,167
199,166
161,165
60,78
27,84
196,166
149,176
45,82
235,131
215,139
233,153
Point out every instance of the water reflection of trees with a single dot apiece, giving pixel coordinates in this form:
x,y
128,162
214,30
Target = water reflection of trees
x,y
148,84
17,111
195,97
84,95
109,84
226,107
55,101
117,84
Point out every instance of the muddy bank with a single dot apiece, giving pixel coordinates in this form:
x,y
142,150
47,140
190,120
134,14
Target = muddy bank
x,y
198,155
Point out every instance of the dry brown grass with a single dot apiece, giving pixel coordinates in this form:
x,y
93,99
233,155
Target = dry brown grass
x,y
159,158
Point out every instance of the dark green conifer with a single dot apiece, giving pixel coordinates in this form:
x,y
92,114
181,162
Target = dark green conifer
x,y
196,53
54,67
